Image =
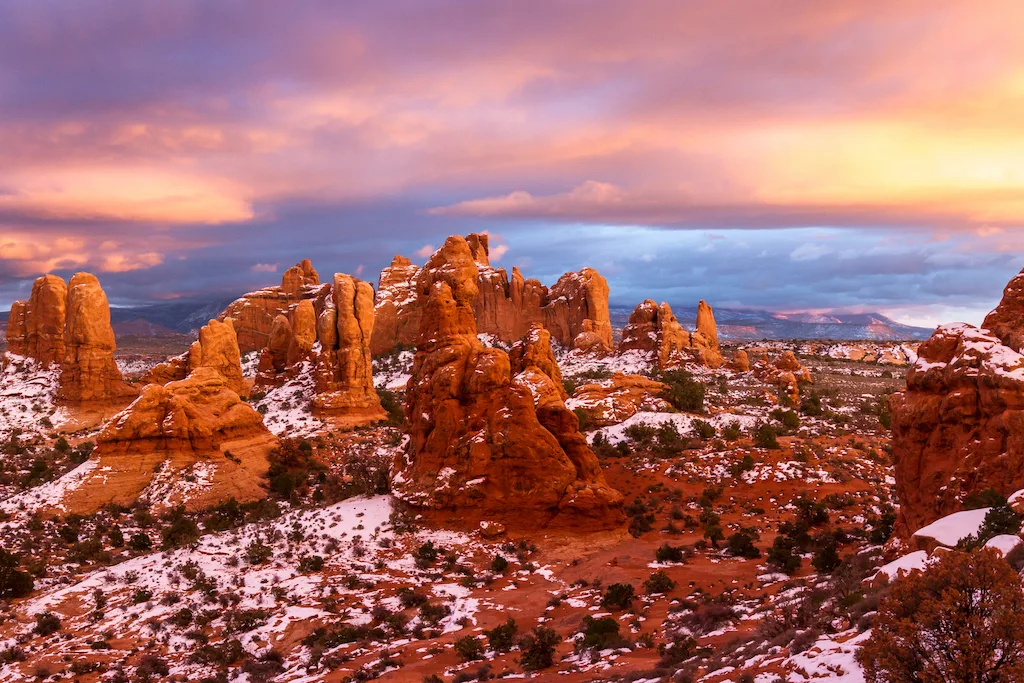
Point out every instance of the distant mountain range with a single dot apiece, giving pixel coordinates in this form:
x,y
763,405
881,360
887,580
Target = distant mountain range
x,y
745,325
733,324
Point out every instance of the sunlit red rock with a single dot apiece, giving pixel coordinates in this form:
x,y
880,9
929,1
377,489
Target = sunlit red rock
x,y
618,398
484,440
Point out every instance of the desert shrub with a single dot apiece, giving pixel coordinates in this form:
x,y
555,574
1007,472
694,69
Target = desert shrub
x,y
659,582
538,648
583,417
986,498
784,555
151,667
469,648
47,623
258,552
14,583
427,554
683,391
269,665
960,620
732,431
311,563
618,596
502,637
410,597
811,405
741,544
140,541
787,418
765,437
703,429
499,564
882,527
600,634
391,404
115,536
432,614
826,556
182,531
707,617
670,553
744,464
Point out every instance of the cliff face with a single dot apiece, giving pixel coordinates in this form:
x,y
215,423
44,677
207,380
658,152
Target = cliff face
x,y
488,435
958,428
575,310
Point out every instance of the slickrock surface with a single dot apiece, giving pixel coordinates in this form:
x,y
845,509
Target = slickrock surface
x,y
198,426
481,439
575,310
959,426
254,313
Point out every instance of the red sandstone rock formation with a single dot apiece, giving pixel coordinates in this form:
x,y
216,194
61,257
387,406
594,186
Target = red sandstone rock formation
x,y
344,373
655,329
35,328
397,311
575,310
482,439
254,313
217,348
618,398
786,372
958,428
170,430
740,361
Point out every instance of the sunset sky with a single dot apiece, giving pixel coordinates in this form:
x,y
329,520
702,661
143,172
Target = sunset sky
x,y
769,154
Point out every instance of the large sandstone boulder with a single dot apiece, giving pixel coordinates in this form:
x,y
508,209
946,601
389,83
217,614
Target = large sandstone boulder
x,y
958,428
88,372
786,372
575,310
254,313
198,427
614,400
483,440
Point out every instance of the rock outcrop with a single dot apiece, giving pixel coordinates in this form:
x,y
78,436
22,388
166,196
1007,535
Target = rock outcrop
x,y
397,308
654,329
575,310
197,426
343,368
958,428
254,313
785,372
611,401
487,438
35,328
216,348
740,361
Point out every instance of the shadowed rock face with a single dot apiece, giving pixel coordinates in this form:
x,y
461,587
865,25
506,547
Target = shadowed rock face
x,y
488,434
575,310
958,428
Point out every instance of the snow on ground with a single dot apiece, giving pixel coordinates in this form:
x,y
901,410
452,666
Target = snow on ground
x,y
27,393
135,366
830,660
953,528
683,422
1004,543
50,494
392,372
575,362
288,409
905,565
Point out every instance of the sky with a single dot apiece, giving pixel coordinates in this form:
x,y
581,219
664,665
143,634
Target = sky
x,y
773,154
